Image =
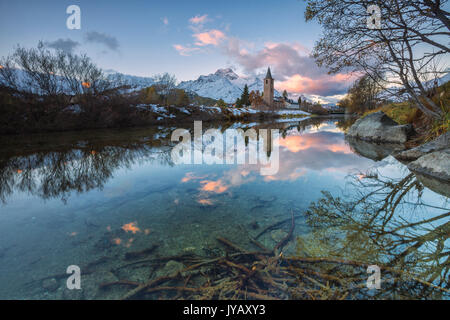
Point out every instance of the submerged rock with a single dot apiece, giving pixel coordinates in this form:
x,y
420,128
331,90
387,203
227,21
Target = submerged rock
x,y
171,268
435,164
378,127
440,143
50,284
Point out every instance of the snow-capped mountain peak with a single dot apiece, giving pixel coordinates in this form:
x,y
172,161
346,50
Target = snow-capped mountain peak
x,y
223,84
227,73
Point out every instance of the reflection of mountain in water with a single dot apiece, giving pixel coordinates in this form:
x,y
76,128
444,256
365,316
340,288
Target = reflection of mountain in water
x,y
382,216
55,165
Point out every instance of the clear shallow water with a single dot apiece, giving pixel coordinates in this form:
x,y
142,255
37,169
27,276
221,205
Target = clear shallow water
x,y
90,198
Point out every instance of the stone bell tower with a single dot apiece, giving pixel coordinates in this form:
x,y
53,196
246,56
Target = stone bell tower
x,y
269,88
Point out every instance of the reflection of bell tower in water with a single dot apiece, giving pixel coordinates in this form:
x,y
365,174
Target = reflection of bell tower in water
x,y
269,88
267,143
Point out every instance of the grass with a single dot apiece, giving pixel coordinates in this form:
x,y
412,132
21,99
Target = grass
x,y
405,113
402,113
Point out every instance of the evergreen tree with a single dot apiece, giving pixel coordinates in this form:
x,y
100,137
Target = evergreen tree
x,y
245,97
239,103
285,95
299,101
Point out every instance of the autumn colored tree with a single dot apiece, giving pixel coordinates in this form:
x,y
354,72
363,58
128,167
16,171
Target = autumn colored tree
x,y
255,98
221,103
150,96
407,47
182,98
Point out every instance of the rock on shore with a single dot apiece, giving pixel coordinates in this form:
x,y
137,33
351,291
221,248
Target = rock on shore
x,y
441,143
378,127
431,159
435,164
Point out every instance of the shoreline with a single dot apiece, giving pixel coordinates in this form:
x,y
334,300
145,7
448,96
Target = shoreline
x,y
152,115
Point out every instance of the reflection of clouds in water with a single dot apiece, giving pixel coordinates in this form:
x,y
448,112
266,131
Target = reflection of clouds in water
x,y
205,202
190,176
324,152
324,127
321,151
319,141
214,186
131,227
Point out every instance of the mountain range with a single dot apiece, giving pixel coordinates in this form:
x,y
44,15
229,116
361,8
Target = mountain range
x,y
224,84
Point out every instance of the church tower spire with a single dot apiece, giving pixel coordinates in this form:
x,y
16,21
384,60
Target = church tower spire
x,y
269,74
269,88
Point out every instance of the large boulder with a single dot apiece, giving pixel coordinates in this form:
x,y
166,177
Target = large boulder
x,y
435,164
438,144
378,127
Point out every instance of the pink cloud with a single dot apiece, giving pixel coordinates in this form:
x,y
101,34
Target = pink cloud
x,y
325,85
199,19
292,66
212,37
185,51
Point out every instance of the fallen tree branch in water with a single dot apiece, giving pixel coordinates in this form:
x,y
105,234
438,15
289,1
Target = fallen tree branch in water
x,y
231,245
260,275
280,245
273,226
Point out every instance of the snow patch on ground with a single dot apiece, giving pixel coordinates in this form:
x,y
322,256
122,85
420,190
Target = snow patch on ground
x,y
292,113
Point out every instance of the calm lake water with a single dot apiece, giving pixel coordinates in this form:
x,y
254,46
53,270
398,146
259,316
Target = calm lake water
x,y
89,198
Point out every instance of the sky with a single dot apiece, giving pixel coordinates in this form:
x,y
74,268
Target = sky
x,y
184,38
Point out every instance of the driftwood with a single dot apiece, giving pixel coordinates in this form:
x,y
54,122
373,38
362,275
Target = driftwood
x,y
231,245
262,275
280,245
150,284
274,226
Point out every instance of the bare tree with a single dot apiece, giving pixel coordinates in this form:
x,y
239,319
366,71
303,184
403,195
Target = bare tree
x,y
165,85
362,96
406,50
47,73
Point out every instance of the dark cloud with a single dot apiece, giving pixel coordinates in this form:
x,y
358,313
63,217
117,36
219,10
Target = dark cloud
x,y
66,45
109,41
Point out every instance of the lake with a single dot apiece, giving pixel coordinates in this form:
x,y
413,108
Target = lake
x,y
113,203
